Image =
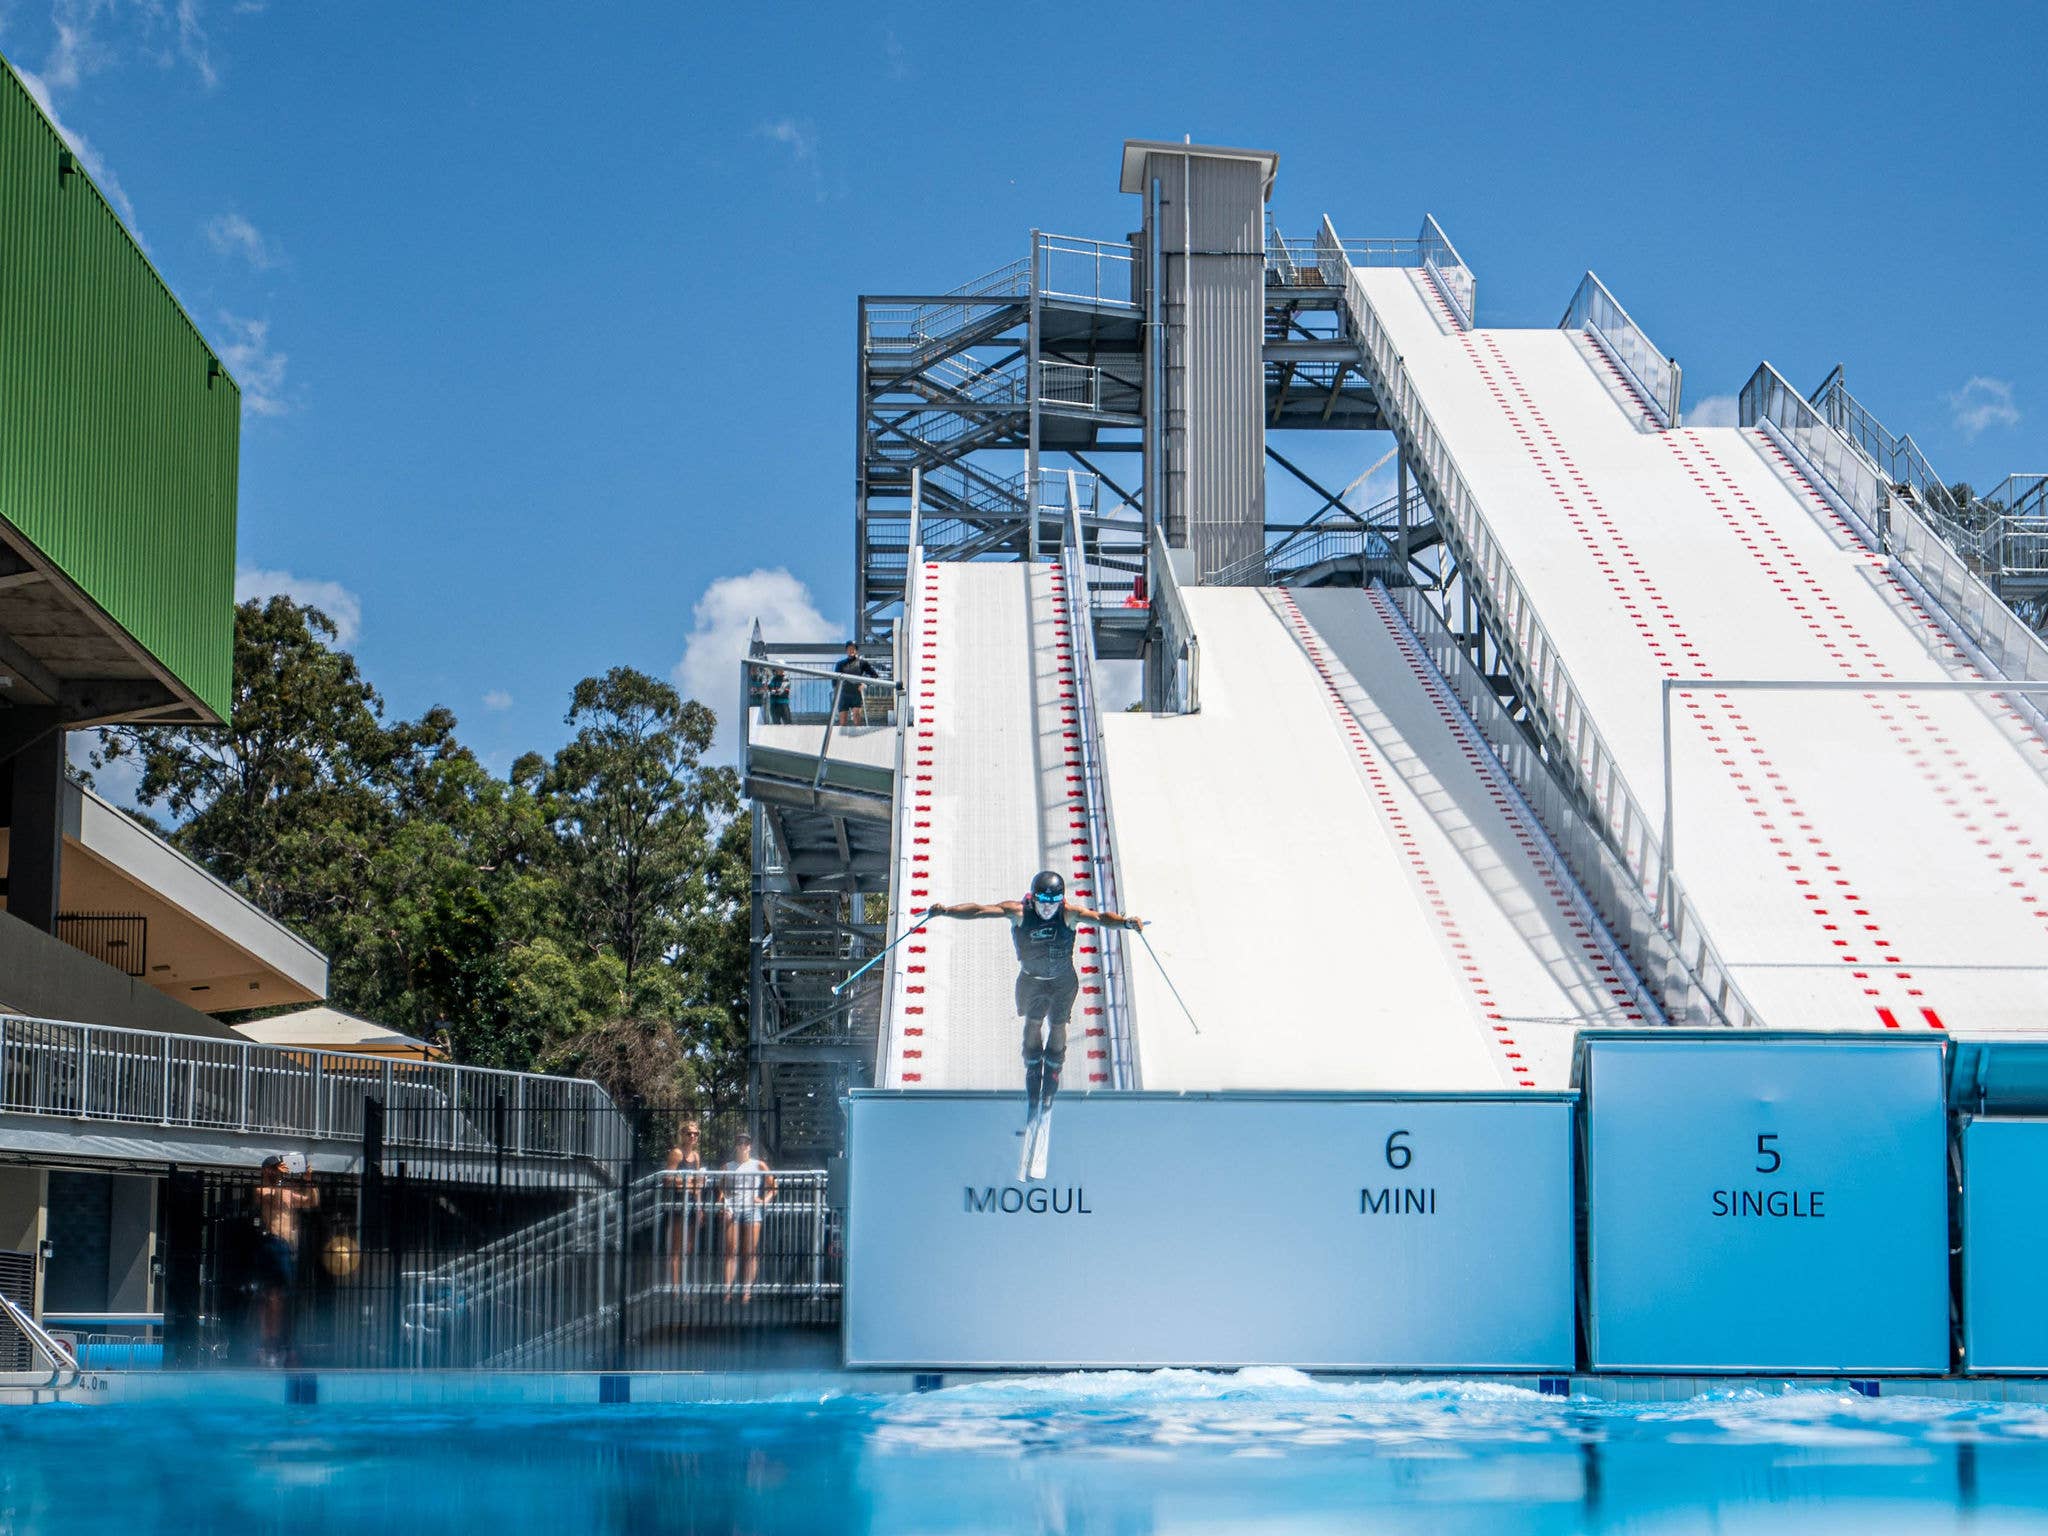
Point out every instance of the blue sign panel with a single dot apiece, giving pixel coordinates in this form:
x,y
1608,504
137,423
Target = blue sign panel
x,y
1335,1232
2005,1245
1766,1203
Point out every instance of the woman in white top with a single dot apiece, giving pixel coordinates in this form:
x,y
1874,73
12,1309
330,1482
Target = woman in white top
x,y
747,1188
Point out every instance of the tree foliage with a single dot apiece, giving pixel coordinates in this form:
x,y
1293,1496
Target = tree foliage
x,y
587,913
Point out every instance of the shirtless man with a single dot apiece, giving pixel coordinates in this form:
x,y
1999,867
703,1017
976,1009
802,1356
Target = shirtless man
x,y
281,1198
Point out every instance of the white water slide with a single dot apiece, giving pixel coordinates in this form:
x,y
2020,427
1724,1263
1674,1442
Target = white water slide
x,y
1344,885
1860,859
993,790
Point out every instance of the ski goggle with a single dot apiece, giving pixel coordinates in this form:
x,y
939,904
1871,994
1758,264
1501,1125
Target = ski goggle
x,y
1047,904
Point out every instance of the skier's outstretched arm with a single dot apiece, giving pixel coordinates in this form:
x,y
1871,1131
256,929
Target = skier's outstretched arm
x,y
974,909
1107,919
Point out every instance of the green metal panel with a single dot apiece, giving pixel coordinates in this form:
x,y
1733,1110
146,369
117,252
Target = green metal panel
x,y
119,429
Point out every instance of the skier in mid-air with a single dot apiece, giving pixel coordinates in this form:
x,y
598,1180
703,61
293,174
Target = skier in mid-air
x,y
1042,928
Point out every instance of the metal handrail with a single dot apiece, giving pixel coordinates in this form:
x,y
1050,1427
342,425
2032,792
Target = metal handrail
x,y
1545,682
1997,639
1441,258
1061,255
1178,630
97,1072
1657,378
1261,568
59,1359
1623,907
1100,820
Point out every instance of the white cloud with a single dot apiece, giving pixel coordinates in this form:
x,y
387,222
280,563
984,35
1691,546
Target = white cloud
x,y
895,61
1983,402
1713,411
192,44
497,698
257,367
330,597
95,166
76,52
722,625
232,235
802,141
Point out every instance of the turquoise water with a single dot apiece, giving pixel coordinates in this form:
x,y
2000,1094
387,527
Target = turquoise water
x,y
1123,1453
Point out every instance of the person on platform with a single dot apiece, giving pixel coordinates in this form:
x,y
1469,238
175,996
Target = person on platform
x,y
747,1189
685,1190
852,667
1042,929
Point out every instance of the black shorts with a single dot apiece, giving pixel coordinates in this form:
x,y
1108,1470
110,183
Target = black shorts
x,y
1047,997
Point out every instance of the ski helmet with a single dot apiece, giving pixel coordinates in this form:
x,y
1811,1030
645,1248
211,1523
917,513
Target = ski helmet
x,y
1048,892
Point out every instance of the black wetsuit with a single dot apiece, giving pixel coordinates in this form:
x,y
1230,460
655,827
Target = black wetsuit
x,y
1046,988
851,670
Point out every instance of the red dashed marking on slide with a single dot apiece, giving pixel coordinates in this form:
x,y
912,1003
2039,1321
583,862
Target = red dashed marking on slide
x,y
1831,895
1068,806
1379,782
1479,757
1917,733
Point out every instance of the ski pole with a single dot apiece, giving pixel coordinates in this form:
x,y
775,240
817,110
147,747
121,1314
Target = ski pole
x,y
877,958
1142,939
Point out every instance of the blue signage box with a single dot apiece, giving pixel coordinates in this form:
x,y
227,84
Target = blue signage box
x,y
1366,1231
1766,1202
2005,1245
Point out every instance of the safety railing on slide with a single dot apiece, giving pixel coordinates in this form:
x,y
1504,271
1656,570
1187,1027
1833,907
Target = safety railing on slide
x,y
1183,648
1613,892
1441,258
1937,574
136,1077
1542,677
1100,819
1656,377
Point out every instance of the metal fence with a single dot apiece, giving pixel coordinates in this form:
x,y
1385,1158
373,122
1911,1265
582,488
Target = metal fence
x,y
92,1072
424,1260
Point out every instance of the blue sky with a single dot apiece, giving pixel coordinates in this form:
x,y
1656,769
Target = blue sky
x,y
544,313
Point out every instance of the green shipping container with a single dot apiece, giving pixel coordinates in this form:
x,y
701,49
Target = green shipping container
x,y
119,428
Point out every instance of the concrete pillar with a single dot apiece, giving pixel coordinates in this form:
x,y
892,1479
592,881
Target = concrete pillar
x,y
25,1216
35,829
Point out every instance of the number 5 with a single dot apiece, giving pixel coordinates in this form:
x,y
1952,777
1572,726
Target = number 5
x,y
1764,1149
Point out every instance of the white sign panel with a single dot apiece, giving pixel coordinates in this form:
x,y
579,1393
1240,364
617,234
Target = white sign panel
x,y
1336,1232
2005,1245
1766,1204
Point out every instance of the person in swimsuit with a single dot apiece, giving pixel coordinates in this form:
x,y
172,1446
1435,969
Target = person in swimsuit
x,y
1042,929
746,1190
685,1188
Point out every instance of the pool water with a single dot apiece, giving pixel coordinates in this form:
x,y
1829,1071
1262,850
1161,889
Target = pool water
x,y
1170,1451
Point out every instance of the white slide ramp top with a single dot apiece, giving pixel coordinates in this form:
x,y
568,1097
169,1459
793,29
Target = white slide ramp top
x,y
1861,860
992,793
1342,883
